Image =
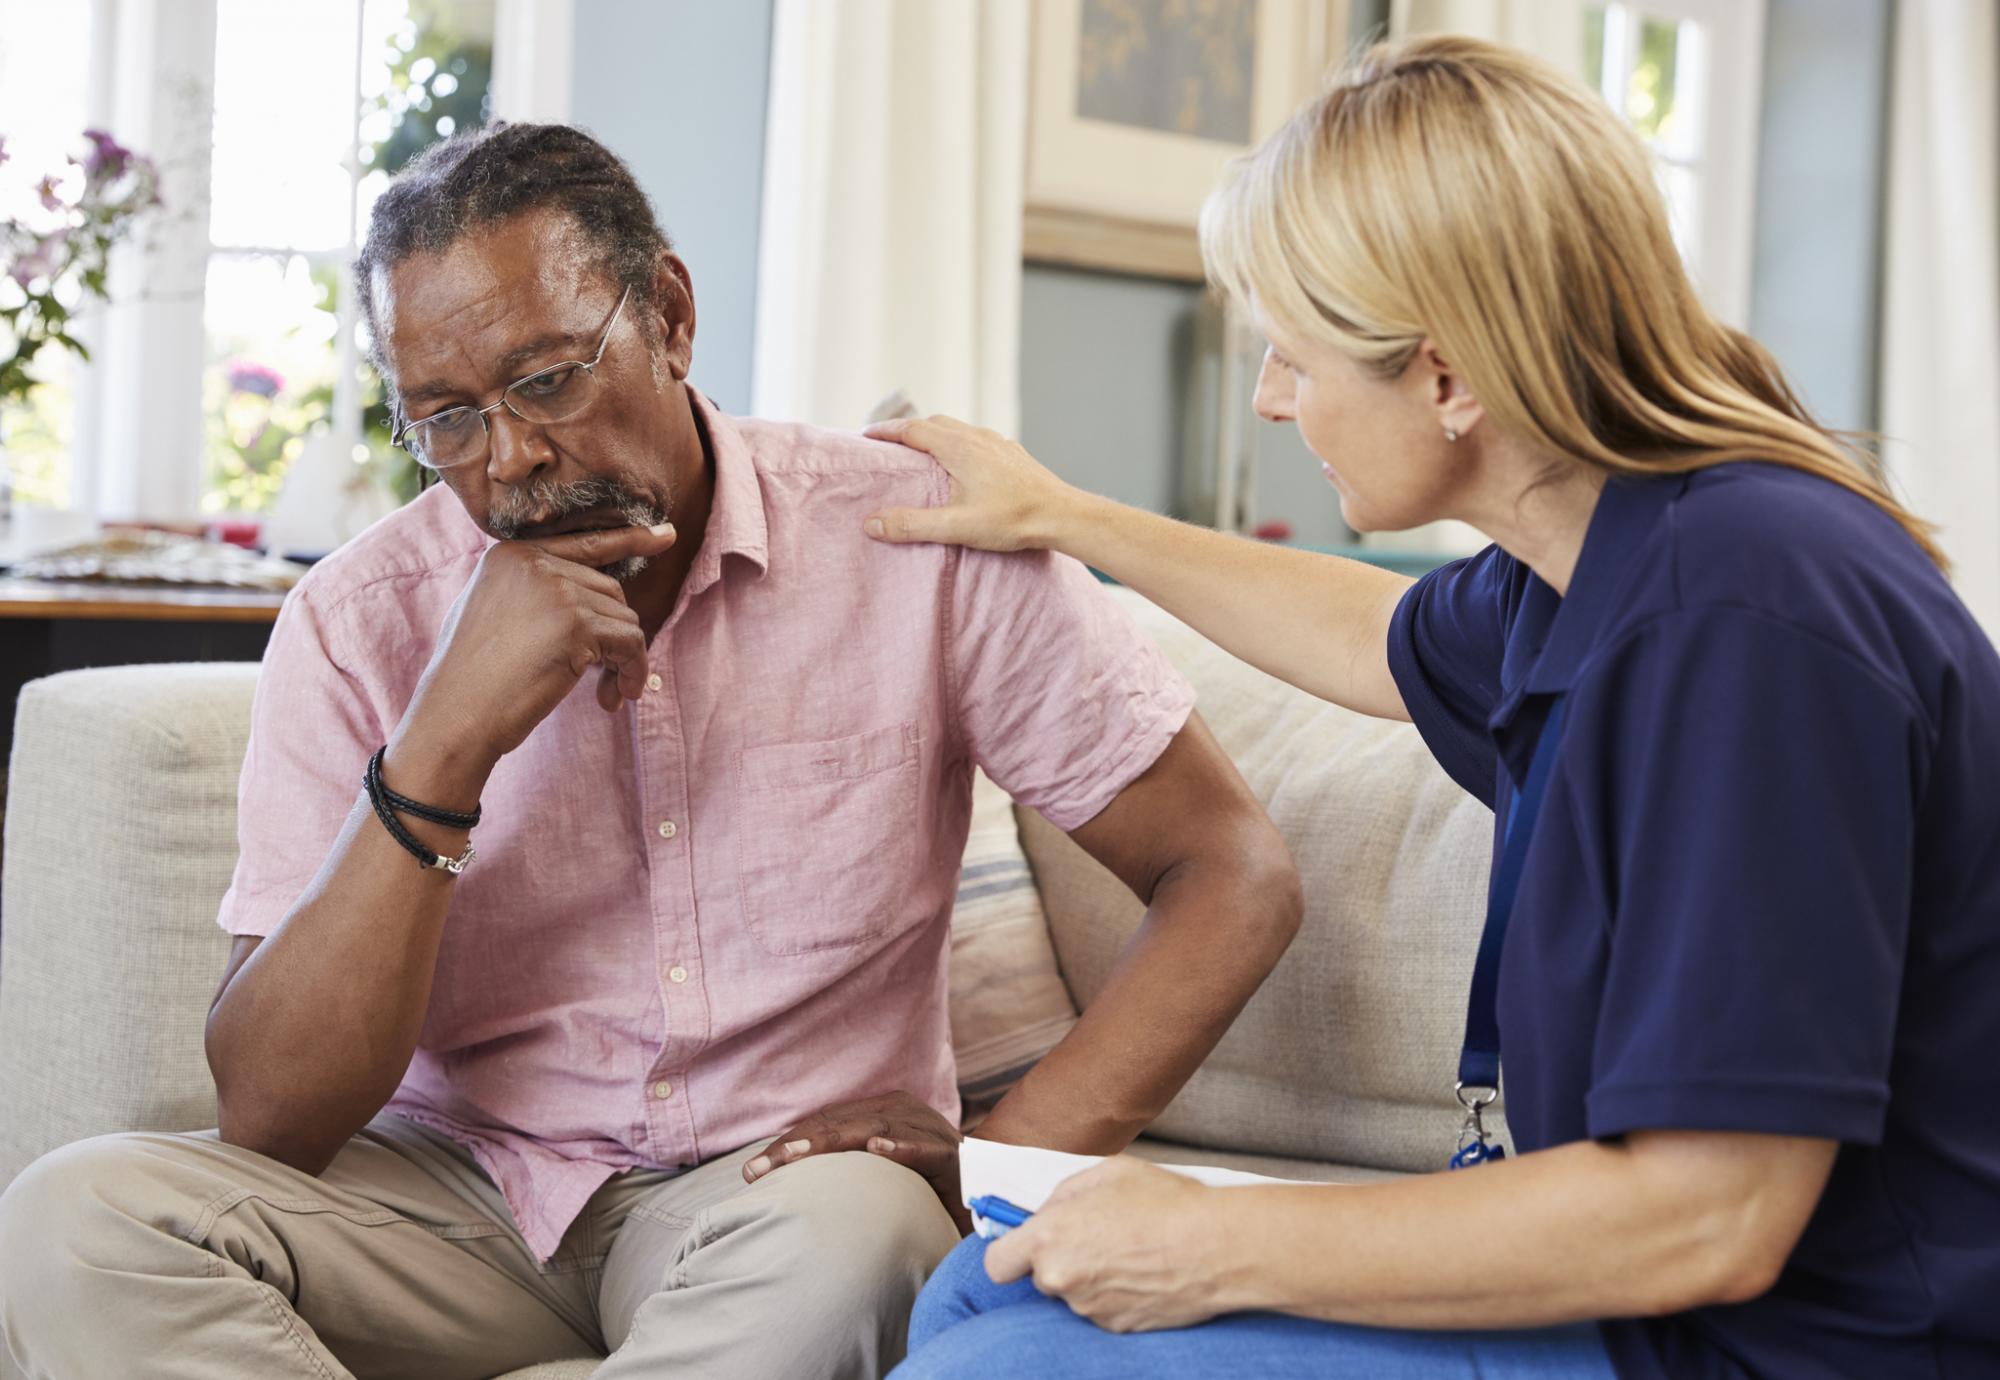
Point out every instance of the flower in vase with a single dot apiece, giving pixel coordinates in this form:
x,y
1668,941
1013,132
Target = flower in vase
x,y
45,269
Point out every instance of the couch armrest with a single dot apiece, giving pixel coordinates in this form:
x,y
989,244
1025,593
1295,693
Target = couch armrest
x,y
120,840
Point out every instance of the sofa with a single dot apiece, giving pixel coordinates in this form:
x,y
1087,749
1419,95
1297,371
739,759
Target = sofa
x,y
120,838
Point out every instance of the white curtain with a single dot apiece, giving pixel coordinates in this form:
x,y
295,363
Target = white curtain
x,y
1941,284
534,59
891,243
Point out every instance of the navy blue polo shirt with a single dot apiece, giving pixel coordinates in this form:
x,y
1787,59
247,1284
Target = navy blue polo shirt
x,y
1763,893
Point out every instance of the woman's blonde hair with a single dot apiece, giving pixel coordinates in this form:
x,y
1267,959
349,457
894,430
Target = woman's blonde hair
x,y
1457,190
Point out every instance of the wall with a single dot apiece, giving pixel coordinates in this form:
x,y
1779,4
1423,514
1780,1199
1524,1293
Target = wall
x,y
677,88
1106,365
1817,270
1102,361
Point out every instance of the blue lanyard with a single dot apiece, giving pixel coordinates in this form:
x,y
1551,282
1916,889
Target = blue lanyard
x,y
1479,1061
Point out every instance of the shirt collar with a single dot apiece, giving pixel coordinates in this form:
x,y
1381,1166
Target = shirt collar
x,y
1553,635
736,522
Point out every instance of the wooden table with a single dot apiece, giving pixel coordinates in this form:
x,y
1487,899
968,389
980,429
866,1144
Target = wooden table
x,y
49,626
87,599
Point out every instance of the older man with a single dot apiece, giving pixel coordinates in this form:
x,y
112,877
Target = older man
x,y
665,1069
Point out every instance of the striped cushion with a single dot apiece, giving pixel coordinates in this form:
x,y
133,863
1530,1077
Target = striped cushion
x,y
1009,1006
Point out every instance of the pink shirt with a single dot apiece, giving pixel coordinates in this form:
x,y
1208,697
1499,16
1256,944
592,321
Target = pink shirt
x,y
726,905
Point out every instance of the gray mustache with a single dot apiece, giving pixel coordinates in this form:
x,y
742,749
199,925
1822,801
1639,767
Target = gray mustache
x,y
545,500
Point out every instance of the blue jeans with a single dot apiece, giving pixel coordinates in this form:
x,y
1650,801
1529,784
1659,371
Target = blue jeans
x,y
966,1325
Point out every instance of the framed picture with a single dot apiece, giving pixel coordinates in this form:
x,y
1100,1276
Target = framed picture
x,y
1136,105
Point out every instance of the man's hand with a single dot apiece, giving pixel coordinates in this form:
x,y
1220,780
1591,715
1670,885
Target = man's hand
x,y
1123,1244
536,615
895,1126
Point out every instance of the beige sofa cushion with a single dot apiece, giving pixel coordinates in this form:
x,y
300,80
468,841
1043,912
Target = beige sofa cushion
x,y
1348,1052
121,835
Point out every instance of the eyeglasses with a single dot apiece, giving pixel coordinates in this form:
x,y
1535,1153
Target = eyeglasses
x,y
555,394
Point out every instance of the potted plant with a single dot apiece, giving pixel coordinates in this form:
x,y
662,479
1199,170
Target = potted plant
x,y
58,252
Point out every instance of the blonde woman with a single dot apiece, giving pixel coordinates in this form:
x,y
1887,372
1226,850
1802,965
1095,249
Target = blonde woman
x,y
1741,740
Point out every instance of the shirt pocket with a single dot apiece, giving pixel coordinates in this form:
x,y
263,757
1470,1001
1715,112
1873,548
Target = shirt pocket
x,y
826,840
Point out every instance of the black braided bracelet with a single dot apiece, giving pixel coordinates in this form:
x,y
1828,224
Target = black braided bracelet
x,y
410,807
386,802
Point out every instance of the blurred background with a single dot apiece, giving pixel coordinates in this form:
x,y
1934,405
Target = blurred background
x,y
987,204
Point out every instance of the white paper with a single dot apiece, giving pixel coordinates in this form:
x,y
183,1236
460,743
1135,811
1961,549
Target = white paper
x,y
1025,1175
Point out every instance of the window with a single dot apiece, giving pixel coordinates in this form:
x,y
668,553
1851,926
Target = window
x,y
230,343
1685,74
301,151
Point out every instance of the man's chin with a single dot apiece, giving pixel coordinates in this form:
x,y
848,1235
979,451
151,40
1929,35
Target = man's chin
x,y
627,570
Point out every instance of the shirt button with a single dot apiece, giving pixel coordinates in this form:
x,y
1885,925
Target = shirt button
x,y
667,829
663,1091
678,973
653,681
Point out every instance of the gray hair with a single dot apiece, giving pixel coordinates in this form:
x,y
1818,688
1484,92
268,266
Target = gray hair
x,y
497,171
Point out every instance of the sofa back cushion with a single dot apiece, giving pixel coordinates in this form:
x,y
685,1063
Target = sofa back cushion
x,y
1349,1050
121,836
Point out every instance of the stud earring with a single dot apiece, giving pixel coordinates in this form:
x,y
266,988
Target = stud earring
x,y
1450,435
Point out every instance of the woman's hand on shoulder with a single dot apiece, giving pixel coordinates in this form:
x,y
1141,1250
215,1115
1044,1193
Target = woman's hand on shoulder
x,y
1002,498
1126,1244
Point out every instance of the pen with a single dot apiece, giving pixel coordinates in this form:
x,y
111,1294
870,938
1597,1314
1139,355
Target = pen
x,y
993,1216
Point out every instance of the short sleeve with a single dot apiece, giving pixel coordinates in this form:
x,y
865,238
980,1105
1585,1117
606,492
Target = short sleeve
x,y
1060,697
312,730
1747,793
1447,641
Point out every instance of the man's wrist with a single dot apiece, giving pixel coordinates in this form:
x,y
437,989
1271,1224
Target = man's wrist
x,y
1017,1121
436,772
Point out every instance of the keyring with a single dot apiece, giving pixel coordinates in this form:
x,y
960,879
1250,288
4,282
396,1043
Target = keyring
x,y
1475,1102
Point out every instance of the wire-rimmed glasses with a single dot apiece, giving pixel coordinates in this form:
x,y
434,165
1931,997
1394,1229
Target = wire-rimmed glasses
x,y
555,394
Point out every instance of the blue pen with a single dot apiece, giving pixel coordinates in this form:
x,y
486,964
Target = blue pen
x,y
993,1217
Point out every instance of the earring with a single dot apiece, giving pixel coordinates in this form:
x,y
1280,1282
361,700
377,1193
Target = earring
x,y
1450,435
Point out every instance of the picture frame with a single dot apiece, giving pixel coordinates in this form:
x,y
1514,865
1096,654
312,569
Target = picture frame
x,y
1135,106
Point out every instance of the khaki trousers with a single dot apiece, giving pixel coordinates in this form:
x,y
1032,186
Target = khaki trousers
x,y
179,1256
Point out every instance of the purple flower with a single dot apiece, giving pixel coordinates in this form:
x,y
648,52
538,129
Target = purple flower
x,y
248,376
47,187
108,158
42,261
